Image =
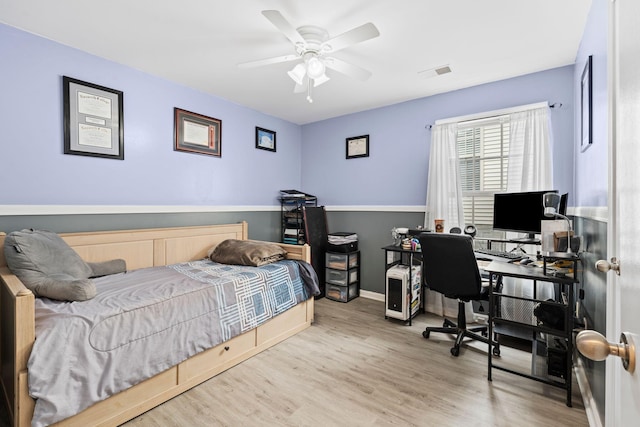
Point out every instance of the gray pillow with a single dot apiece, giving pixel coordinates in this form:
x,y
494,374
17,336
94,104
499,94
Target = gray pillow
x,y
247,252
51,268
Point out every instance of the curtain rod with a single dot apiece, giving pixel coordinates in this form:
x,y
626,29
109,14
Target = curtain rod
x,y
494,113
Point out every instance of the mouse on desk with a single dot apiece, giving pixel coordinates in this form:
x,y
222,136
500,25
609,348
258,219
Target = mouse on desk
x,y
526,261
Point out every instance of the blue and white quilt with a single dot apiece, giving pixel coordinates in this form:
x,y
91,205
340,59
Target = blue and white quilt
x,y
144,321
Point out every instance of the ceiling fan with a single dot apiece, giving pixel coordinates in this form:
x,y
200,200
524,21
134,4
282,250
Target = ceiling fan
x,y
313,46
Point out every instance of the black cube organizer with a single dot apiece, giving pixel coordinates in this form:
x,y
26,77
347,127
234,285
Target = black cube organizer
x,y
292,203
342,275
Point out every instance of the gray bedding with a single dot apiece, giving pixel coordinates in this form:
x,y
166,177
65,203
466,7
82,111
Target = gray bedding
x,y
143,322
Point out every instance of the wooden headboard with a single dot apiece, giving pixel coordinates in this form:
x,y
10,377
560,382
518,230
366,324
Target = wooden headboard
x,y
150,247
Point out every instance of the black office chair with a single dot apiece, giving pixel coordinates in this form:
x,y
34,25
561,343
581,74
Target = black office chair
x,y
450,267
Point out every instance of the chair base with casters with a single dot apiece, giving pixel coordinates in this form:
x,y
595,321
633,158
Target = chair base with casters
x,y
450,268
461,331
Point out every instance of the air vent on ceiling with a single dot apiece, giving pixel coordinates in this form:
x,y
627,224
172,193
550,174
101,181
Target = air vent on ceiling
x,y
433,72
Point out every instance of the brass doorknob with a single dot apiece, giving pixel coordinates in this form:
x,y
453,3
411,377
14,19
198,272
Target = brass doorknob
x,y
603,265
594,346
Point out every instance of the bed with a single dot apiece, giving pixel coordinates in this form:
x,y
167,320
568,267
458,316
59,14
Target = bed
x,y
180,250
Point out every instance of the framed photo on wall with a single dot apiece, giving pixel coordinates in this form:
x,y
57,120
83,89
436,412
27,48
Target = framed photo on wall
x,y
586,106
195,133
93,120
265,139
358,146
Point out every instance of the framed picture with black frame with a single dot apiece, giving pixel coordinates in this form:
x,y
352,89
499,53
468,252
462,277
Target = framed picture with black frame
x,y
93,119
265,139
586,105
196,133
358,146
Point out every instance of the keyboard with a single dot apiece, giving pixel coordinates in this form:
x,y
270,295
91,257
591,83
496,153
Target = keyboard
x,y
498,255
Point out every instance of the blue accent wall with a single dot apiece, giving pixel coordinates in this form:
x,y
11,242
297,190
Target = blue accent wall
x,y
395,173
311,157
33,163
591,175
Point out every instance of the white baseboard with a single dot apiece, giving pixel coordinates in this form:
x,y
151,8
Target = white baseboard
x,y
371,295
590,407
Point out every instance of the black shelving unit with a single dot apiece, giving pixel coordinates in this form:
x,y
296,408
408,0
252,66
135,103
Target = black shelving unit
x,y
551,326
292,227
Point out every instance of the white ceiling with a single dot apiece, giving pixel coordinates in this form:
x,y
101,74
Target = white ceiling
x,y
198,43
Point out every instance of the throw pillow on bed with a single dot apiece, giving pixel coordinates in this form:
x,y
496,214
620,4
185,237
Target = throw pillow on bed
x,y
247,252
50,268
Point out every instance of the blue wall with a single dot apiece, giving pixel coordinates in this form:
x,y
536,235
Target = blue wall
x,y
152,173
311,157
591,177
395,173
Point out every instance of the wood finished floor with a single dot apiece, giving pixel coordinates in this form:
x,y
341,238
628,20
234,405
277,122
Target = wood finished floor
x,y
354,368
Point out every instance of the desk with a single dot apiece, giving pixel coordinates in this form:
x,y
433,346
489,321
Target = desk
x,y
560,357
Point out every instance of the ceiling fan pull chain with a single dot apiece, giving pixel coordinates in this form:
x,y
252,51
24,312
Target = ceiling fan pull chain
x,y
309,90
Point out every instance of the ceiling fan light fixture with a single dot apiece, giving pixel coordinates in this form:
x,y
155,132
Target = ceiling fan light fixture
x,y
311,44
315,68
297,74
322,79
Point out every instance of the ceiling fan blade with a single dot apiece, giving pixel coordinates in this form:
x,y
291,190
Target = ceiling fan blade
x,y
347,69
267,61
284,26
359,34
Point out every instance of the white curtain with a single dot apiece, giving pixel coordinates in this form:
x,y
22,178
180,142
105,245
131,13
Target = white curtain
x,y
444,201
530,169
444,194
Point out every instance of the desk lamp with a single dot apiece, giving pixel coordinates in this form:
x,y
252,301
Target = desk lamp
x,y
551,202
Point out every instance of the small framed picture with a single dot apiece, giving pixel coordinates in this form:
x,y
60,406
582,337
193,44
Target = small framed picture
x,y
265,139
195,133
93,120
358,146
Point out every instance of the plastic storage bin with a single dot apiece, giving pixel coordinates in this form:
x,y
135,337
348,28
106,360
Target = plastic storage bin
x,y
341,261
342,293
341,277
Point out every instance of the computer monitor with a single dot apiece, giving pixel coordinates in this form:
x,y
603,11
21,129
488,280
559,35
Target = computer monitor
x,y
519,212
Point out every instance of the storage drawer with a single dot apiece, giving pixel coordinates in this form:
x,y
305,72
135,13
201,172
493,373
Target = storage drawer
x,y
341,261
341,277
354,291
342,293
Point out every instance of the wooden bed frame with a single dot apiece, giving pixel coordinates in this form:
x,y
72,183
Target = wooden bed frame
x,y
140,248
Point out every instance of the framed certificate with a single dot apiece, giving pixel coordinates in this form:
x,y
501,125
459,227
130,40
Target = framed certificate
x,y
93,120
358,146
196,133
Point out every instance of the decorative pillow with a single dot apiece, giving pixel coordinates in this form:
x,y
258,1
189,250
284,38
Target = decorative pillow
x,y
51,268
106,268
247,252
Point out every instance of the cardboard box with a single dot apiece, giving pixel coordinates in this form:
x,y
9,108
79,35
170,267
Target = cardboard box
x,y
548,229
560,242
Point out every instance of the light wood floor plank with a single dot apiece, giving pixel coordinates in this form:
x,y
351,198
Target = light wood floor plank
x,y
355,368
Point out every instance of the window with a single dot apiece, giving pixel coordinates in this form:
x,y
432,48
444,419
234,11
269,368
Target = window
x,y
483,149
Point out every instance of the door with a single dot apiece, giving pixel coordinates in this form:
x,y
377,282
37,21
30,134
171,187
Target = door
x,y
622,402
